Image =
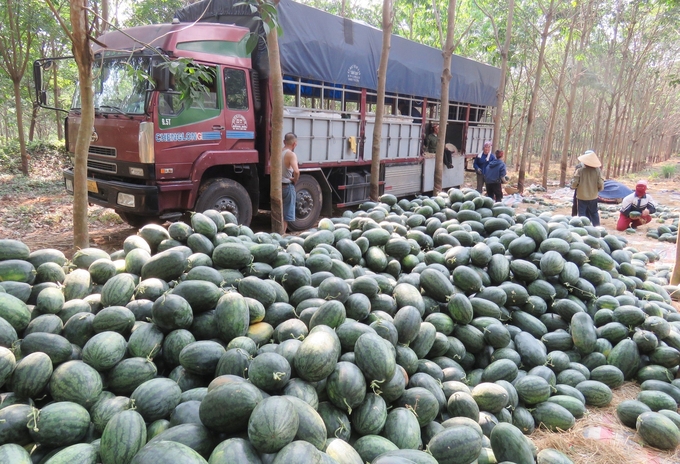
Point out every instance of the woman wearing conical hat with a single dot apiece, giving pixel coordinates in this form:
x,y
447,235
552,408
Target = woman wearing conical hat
x,y
588,182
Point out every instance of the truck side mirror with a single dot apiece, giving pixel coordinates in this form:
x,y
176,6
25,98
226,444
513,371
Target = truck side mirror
x,y
161,77
40,93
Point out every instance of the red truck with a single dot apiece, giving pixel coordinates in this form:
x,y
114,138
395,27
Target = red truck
x,y
153,157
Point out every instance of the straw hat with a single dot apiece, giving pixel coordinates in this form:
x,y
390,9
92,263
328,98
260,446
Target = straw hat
x,y
451,147
589,158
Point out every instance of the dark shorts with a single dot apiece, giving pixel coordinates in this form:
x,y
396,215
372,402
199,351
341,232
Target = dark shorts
x,y
288,196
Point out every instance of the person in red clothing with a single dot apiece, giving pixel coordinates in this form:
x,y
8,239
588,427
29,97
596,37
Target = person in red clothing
x,y
636,208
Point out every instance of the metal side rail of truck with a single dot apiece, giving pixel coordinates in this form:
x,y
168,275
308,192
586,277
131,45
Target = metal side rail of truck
x,y
153,157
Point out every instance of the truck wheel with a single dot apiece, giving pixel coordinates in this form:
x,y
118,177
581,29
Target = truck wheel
x,y
136,220
308,202
226,195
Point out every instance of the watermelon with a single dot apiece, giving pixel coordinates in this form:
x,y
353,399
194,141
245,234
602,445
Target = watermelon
x,y
77,382
234,450
456,444
123,436
269,371
104,350
194,435
31,375
657,430
373,357
311,428
156,398
509,444
13,424
273,424
167,451
238,398
316,358
130,373
15,454
59,424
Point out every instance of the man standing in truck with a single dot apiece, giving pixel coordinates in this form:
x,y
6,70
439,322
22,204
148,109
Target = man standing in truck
x,y
291,174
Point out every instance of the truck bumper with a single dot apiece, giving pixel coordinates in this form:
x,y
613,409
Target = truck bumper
x,y
121,196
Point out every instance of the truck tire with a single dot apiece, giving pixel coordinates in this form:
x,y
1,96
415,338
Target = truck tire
x,y
226,195
308,203
136,220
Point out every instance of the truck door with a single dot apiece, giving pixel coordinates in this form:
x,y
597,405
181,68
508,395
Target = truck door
x,y
238,113
185,131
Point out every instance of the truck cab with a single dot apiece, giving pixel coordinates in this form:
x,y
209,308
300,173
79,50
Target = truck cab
x,y
154,155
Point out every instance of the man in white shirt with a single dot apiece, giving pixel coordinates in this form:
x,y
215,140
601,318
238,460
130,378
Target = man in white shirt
x,y
636,208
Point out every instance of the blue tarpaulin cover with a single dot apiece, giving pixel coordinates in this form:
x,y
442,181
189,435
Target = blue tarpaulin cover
x,y
614,190
321,46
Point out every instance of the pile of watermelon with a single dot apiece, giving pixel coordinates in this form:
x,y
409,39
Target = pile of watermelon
x,y
436,330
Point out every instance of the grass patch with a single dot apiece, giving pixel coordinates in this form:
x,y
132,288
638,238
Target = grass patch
x,y
45,170
103,216
668,171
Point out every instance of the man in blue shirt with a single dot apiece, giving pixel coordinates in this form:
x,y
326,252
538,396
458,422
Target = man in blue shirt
x,y
495,176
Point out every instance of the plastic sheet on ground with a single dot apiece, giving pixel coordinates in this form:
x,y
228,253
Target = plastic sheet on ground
x,y
564,193
627,439
512,200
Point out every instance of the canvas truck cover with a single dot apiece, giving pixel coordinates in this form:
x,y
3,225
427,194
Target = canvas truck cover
x,y
321,46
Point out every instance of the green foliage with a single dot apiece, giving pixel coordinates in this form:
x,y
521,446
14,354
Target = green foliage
x,y
268,15
668,171
153,11
191,79
10,158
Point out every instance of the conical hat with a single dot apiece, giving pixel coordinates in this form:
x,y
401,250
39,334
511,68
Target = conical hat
x,y
450,147
589,158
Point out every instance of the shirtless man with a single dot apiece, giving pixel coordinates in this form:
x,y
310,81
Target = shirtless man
x,y
291,174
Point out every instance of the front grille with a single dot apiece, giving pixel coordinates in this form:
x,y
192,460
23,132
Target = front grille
x,y
103,151
102,166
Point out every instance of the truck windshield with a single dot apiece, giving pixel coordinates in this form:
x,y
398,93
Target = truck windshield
x,y
119,85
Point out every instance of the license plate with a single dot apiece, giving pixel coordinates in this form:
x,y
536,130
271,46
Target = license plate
x,y
92,186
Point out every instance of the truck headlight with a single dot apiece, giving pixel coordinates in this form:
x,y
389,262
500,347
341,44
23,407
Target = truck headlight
x,y
139,172
125,199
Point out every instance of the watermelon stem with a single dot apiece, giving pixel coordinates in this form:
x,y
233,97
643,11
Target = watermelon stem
x,y
339,430
33,416
279,375
149,357
412,409
349,408
375,386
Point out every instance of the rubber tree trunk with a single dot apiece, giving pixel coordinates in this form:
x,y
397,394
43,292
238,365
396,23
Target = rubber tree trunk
x,y
675,277
567,124
20,126
500,94
55,90
534,96
380,107
553,112
276,168
508,134
447,52
83,56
